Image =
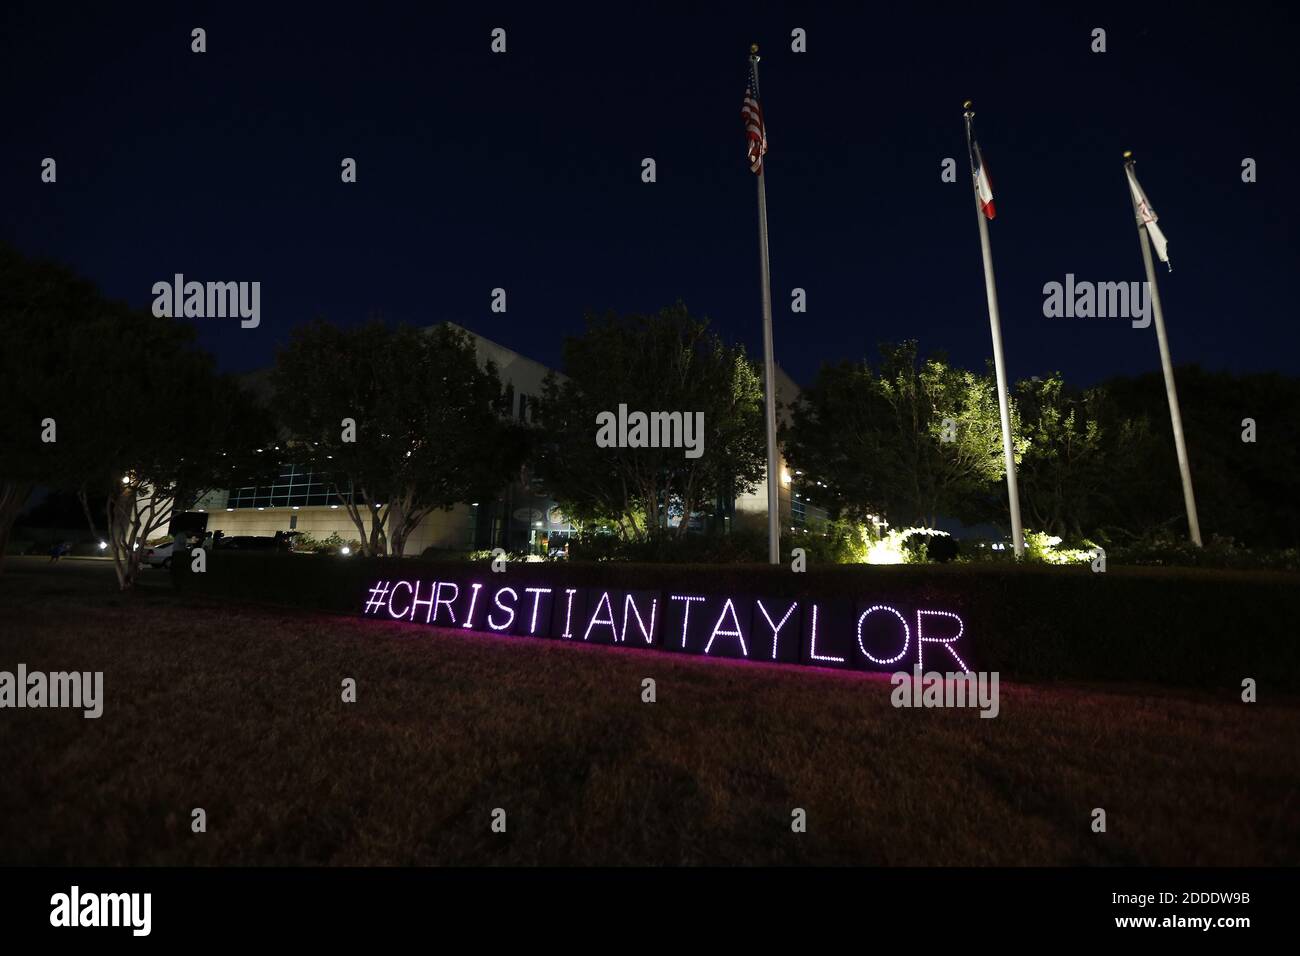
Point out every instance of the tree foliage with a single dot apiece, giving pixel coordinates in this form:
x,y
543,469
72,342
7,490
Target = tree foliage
x,y
140,418
1063,487
909,440
429,427
669,361
1245,490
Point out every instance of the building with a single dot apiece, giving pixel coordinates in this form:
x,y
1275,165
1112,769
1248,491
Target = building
x,y
521,518
750,511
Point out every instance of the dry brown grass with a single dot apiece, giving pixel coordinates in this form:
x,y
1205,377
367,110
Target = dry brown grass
x,y
237,710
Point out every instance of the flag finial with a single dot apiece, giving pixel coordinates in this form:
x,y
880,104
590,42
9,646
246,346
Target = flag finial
x,y
753,49
1128,154
966,105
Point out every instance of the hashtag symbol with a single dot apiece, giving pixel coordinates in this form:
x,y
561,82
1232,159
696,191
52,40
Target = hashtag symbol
x,y
377,596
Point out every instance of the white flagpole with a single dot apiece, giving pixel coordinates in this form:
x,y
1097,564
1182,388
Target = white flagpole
x,y
1166,365
999,364
769,370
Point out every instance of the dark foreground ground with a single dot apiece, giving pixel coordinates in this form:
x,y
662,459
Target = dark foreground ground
x,y
237,710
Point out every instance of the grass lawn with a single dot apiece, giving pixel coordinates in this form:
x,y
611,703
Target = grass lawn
x,y
237,709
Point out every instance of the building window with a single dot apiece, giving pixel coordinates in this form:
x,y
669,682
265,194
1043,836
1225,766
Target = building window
x,y
294,486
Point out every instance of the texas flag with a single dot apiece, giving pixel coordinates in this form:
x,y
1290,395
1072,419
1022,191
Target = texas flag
x,y
983,185
1147,216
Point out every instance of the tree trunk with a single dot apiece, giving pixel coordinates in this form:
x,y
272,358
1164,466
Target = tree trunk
x,y
355,514
13,495
378,537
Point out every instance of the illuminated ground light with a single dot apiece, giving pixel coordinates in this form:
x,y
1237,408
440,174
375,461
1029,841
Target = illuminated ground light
x,y
841,633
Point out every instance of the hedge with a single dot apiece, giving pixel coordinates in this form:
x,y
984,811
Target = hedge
x,y
1181,627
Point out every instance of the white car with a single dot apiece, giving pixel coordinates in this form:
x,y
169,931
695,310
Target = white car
x,y
159,556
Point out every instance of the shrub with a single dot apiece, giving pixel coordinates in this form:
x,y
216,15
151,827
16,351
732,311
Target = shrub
x,y
944,549
736,547
1219,552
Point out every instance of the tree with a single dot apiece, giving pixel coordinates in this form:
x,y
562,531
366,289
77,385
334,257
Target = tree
x,y
1068,469
426,431
42,306
667,362
911,440
151,459
1246,490
130,410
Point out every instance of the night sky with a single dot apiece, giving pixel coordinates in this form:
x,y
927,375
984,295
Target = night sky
x,y
523,170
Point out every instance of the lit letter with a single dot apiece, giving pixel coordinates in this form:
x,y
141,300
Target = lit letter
x,y
744,651
537,599
686,612
947,642
646,632
812,647
595,617
776,628
437,600
907,634
416,602
568,612
473,599
497,600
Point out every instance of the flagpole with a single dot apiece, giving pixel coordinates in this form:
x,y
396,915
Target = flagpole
x,y
999,364
1166,365
769,370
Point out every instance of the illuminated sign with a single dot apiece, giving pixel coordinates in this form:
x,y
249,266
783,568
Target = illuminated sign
x,y
856,635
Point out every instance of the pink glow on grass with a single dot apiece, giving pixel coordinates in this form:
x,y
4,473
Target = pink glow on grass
x,y
634,651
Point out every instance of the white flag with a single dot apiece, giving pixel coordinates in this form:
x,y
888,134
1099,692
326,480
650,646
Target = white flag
x,y
1148,217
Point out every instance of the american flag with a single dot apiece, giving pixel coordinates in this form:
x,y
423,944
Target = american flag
x,y
755,131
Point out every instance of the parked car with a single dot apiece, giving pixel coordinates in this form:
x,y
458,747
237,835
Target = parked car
x,y
282,541
159,556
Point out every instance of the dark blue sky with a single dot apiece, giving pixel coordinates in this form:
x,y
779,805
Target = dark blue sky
x,y
523,170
